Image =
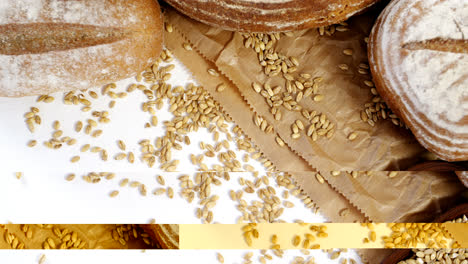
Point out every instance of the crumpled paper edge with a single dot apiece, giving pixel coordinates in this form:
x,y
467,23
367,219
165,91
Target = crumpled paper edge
x,y
194,47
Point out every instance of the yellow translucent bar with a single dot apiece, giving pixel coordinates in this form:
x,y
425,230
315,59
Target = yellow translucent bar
x,y
335,235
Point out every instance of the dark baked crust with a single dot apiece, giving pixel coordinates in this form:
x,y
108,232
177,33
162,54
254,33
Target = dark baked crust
x,y
270,16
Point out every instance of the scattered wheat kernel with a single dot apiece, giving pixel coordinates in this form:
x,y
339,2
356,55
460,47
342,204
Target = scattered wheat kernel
x,y
143,190
170,192
123,182
160,180
49,99
120,156
85,148
97,133
187,46
257,87
131,157
213,72
393,174
169,28
296,240
18,175
135,184
335,255
343,67
159,191
154,120
343,212
78,126
42,259
220,258
274,239
369,83
319,178
104,155
348,52
121,145
319,97
352,136
32,143
279,141
56,125
95,149
114,193
70,177
75,159
221,87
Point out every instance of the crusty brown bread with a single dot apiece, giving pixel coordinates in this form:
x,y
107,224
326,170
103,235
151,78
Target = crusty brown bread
x,y
166,235
418,52
52,45
463,176
270,15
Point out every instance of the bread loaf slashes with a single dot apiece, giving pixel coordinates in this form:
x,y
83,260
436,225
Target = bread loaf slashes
x,y
270,15
418,52
52,45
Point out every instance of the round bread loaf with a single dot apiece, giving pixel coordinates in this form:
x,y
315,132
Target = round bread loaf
x,y
463,176
52,45
270,15
418,52
166,235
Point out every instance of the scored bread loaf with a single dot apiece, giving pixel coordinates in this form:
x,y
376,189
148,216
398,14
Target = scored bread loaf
x,y
52,45
167,235
270,15
418,52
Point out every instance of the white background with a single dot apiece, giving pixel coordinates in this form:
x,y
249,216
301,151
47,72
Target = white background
x,y
154,256
42,190
43,195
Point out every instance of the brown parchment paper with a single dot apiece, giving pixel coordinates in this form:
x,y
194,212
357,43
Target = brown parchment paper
x,y
396,146
409,197
325,197
96,236
390,138
324,194
383,147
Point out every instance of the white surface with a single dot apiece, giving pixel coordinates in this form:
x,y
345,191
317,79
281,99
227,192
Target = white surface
x,y
48,198
153,256
127,123
43,195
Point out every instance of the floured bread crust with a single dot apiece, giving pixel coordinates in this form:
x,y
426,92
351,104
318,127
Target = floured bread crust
x,y
270,15
418,51
52,45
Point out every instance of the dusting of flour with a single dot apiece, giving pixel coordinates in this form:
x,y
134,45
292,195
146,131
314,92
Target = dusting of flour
x,y
432,86
442,83
21,74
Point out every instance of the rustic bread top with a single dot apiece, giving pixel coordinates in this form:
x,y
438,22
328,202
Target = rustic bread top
x,y
270,15
45,43
422,52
